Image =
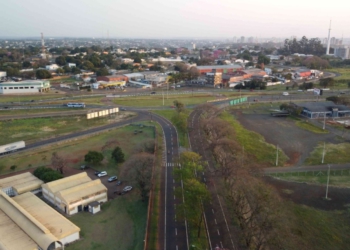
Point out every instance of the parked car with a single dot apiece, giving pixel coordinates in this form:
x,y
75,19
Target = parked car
x,y
112,178
127,188
122,109
153,93
83,167
103,173
97,172
285,93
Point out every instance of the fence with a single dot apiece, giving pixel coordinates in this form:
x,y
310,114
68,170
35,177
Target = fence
x,y
315,173
238,101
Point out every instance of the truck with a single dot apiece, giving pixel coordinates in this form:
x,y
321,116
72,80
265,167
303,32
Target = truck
x,y
11,147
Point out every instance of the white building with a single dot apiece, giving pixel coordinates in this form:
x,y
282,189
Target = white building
x,y
24,87
52,67
164,59
3,74
73,194
71,65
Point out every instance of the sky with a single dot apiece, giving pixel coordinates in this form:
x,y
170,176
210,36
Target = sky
x,y
174,18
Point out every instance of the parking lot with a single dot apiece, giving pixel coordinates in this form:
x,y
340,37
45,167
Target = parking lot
x,y
296,142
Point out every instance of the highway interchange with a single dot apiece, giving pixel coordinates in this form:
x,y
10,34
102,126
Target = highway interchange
x,y
173,233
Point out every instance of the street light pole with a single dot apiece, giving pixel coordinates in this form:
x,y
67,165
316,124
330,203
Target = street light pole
x,y
324,146
329,169
276,155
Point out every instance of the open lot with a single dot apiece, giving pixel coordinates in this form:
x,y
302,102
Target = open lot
x,y
296,142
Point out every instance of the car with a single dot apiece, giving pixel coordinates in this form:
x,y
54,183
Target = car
x,y
152,93
342,93
118,183
122,109
82,167
112,178
101,174
127,189
285,93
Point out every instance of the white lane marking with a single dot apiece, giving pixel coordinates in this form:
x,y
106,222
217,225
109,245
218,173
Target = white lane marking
x,y
212,210
222,246
215,221
175,231
218,232
173,181
177,248
174,197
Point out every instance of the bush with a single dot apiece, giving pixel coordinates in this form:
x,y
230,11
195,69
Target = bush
x,y
118,155
94,157
47,174
13,167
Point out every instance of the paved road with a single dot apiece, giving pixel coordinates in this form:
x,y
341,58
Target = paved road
x,y
219,231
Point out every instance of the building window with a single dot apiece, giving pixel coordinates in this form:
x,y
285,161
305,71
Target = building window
x,y
16,87
5,88
21,87
32,87
26,87
10,87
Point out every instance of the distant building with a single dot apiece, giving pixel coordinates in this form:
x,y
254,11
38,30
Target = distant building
x,y
316,110
112,78
3,74
71,65
20,183
343,53
52,67
219,68
23,87
169,60
214,78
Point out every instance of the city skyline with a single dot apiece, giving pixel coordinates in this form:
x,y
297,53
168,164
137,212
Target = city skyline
x,y
187,19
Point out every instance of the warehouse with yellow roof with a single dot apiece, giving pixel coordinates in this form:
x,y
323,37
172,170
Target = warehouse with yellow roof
x,y
26,222
21,183
74,193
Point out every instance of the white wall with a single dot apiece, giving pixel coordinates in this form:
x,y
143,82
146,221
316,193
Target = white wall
x,y
25,89
69,239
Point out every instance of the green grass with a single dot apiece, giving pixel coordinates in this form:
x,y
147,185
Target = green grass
x,y
254,144
73,152
334,153
340,178
119,225
310,127
34,129
321,230
157,100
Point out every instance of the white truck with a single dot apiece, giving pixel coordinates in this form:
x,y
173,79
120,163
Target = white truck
x,y
5,149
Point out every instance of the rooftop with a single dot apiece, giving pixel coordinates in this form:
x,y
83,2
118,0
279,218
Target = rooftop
x,y
21,183
66,183
233,66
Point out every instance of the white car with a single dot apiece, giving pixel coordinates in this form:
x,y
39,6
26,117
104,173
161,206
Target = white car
x,y
127,188
285,93
103,173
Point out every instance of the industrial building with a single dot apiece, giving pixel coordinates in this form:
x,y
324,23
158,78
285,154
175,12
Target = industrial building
x,y
314,110
29,223
214,78
24,87
219,68
21,183
74,193
112,78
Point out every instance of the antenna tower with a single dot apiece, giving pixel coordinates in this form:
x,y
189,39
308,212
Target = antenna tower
x,y
329,38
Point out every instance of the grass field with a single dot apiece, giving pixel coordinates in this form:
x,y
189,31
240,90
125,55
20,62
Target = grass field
x,y
73,152
310,127
334,153
345,73
254,144
120,225
339,178
34,129
318,229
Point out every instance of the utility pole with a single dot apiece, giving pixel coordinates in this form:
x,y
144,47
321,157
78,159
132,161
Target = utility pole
x,y
324,146
163,96
329,169
324,121
276,155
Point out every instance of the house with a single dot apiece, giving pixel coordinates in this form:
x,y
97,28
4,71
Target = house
x,y
52,67
112,78
73,194
71,65
27,222
219,68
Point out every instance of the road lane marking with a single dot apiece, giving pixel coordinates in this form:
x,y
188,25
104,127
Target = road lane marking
x,y
218,232
212,211
215,221
175,231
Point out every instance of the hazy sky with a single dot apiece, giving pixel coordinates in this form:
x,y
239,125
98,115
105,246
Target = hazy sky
x,y
174,18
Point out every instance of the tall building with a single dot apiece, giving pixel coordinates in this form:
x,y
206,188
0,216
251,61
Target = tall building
x,y
343,53
242,39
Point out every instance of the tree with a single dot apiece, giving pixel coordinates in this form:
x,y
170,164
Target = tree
x,y
43,74
59,71
47,174
140,170
94,157
26,64
180,107
327,82
75,70
262,59
118,155
58,162
102,72
61,60
137,60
